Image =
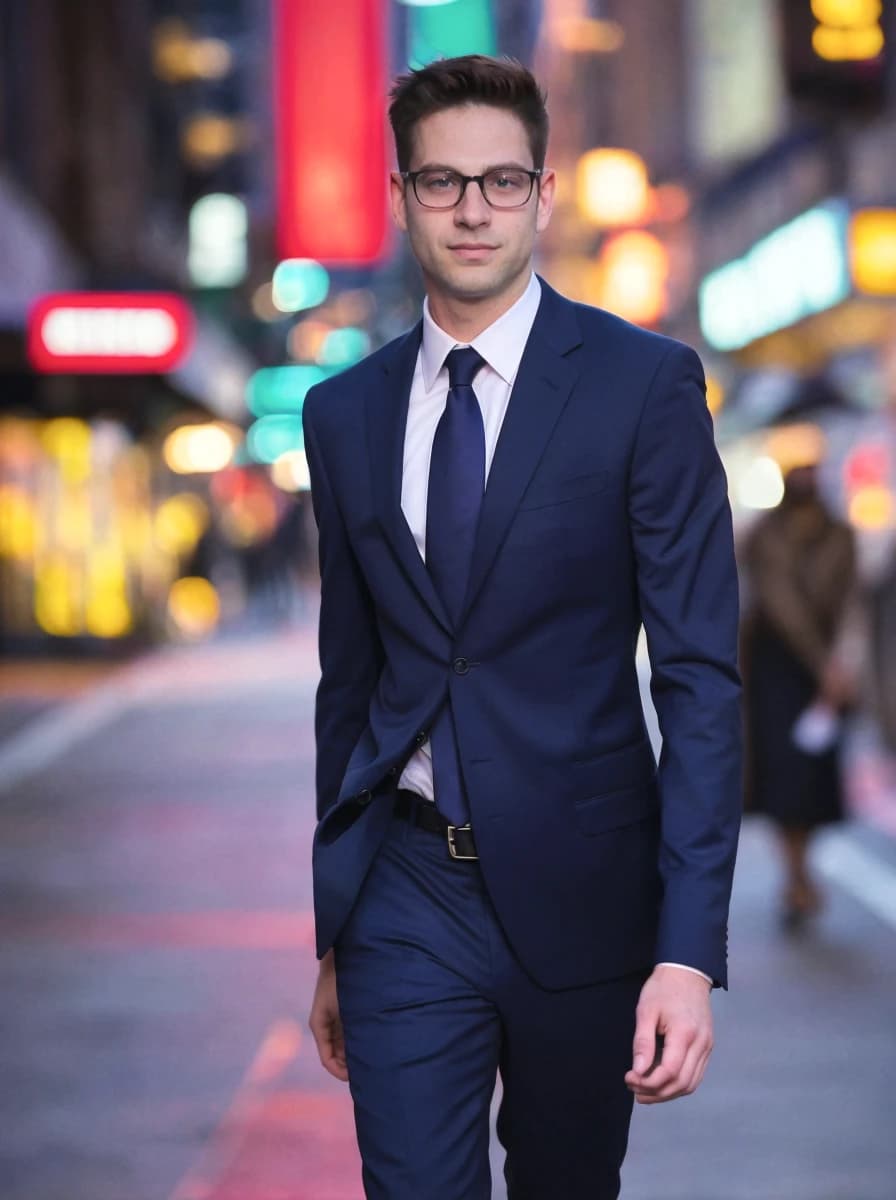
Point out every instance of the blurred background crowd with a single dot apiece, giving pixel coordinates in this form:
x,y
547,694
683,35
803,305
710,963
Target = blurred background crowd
x,y
193,230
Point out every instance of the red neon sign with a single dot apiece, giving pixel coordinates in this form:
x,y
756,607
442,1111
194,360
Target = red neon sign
x,y
123,333
331,138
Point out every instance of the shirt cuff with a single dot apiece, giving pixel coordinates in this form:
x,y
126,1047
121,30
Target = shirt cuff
x,y
693,970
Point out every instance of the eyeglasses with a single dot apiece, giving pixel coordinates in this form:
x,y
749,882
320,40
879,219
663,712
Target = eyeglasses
x,y
504,187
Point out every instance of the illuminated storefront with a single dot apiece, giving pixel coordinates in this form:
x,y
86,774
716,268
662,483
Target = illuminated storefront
x,y
107,457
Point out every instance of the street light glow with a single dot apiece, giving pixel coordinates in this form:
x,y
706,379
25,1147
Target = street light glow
x,y
612,187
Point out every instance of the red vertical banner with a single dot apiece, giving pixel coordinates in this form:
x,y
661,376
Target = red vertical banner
x,y
330,97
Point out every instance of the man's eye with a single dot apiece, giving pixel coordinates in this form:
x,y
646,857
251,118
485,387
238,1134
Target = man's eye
x,y
436,183
508,181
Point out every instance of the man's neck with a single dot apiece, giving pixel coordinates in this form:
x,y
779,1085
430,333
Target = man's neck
x,y
464,320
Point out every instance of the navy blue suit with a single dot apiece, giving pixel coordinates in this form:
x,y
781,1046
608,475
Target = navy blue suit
x,y
606,506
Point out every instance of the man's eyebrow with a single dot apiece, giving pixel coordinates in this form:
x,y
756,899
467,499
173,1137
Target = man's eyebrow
x,y
503,166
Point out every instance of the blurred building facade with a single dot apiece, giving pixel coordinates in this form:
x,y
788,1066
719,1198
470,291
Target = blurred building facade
x,y
136,136
107,137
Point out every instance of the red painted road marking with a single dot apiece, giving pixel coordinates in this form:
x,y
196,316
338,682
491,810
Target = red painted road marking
x,y
278,1141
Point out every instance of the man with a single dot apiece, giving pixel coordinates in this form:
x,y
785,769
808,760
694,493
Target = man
x,y
502,876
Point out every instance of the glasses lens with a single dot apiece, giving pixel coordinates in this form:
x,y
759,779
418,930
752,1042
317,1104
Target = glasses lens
x,y
438,189
508,189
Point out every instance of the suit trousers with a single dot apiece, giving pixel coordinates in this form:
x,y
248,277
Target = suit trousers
x,y
434,1005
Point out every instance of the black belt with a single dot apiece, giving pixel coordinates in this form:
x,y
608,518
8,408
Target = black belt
x,y
423,813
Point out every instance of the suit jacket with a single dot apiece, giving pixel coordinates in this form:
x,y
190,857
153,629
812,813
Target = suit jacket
x,y
606,506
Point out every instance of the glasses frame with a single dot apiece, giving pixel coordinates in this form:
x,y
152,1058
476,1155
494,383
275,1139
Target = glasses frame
x,y
411,177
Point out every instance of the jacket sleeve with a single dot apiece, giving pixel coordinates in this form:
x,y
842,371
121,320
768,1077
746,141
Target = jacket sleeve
x,y
351,654
688,594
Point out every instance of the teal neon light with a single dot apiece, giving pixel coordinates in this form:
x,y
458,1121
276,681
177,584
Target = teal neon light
x,y
283,389
445,30
800,269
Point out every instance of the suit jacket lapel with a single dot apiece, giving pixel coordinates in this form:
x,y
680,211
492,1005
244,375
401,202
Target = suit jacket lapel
x,y
387,414
543,384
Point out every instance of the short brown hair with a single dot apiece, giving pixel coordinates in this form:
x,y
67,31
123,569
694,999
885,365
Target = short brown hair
x,y
470,79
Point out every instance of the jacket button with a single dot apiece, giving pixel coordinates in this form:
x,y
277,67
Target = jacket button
x,y
364,797
461,666
393,770
421,737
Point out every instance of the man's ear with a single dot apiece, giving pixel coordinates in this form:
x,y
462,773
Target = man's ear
x,y
547,187
398,201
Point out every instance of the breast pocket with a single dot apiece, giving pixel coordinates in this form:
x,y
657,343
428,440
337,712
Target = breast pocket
x,y
560,491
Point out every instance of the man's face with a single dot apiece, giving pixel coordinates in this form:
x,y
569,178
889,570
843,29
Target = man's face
x,y
472,252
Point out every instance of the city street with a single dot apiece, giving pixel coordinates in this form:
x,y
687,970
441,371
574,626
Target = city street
x,y
157,967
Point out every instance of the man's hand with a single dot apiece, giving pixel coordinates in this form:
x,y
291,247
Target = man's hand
x,y
325,1023
838,686
674,1006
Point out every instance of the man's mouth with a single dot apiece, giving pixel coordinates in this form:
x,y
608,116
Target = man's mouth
x,y
471,248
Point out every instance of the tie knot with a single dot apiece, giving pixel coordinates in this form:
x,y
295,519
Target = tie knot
x,y
462,364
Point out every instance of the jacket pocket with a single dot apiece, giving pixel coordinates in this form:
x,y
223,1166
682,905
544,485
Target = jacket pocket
x,y
558,491
615,810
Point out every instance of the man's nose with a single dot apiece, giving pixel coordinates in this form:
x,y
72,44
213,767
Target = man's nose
x,y
472,209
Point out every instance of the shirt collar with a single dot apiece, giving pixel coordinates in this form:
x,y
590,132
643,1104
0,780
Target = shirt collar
x,y
501,344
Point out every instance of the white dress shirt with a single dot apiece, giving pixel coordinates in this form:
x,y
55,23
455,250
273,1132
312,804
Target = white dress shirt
x,y
501,345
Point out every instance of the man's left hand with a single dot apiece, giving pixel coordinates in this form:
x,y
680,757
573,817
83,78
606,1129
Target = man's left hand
x,y
673,1013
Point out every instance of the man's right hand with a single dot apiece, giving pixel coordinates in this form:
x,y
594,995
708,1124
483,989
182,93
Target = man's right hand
x,y
325,1023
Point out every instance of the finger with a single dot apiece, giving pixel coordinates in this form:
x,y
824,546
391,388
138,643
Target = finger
x,y
644,1044
333,1058
688,1078
677,1045
339,1058
330,1047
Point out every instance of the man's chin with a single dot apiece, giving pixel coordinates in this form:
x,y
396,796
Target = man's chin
x,y
475,281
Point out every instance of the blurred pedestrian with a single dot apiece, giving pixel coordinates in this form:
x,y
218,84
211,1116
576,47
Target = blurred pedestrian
x,y
801,577
882,575
503,879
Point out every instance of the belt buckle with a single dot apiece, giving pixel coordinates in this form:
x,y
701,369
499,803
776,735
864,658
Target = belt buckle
x,y
452,847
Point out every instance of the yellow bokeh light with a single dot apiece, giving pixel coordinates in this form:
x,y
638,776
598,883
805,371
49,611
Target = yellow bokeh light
x,y
18,524
715,394
209,137
74,522
872,508
68,440
108,615
798,445
587,35
872,248
178,57
847,13
57,598
635,271
179,522
136,532
193,607
612,187
847,45
198,449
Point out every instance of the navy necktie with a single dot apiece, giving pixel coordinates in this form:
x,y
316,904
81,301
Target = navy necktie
x,y
456,485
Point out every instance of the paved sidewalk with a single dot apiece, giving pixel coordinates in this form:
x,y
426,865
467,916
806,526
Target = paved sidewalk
x,y
157,968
